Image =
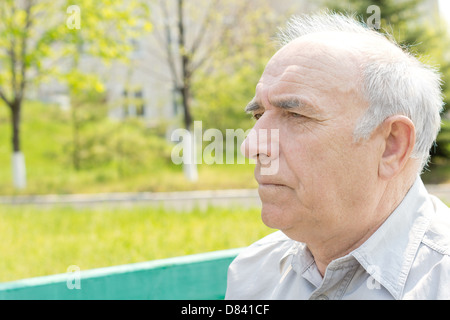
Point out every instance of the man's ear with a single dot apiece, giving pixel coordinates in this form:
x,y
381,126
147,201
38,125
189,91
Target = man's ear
x,y
399,138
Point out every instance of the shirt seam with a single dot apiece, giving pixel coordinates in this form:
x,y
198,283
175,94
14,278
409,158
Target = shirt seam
x,y
433,246
306,267
346,282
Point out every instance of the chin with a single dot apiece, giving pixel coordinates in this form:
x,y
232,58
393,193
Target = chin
x,y
274,217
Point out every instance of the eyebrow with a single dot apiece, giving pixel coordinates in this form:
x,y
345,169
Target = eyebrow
x,y
253,106
282,103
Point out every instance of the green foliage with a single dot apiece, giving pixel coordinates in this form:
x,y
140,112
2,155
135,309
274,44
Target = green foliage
x,y
38,42
127,146
433,45
223,98
397,14
223,89
438,170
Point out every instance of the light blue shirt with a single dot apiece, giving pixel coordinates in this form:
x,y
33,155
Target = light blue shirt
x,y
406,258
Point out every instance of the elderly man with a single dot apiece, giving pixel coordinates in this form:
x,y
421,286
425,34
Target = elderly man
x,y
354,117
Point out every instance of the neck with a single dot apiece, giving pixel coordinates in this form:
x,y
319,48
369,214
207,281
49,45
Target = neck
x,y
353,237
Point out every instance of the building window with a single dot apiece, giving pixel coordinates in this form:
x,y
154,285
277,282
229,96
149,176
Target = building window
x,y
133,102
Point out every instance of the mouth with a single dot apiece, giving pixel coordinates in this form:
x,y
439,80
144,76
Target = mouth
x,y
271,185
264,181
267,191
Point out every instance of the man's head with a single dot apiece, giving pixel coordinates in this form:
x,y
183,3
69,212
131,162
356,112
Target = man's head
x,y
356,117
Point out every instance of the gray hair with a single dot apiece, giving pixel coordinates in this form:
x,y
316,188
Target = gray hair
x,y
394,84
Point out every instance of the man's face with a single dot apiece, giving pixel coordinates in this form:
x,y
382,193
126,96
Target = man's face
x,y
310,93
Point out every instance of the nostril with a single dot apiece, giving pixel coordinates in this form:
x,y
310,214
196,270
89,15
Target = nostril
x,y
264,159
261,143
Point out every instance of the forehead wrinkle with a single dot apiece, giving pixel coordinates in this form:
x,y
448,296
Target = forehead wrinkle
x,y
291,94
301,74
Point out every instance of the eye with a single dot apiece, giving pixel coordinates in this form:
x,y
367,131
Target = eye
x,y
256,116
295,115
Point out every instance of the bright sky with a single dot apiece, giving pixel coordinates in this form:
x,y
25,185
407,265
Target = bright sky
x,y
444,6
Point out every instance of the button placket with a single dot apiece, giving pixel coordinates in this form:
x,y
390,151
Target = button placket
x,y
338,275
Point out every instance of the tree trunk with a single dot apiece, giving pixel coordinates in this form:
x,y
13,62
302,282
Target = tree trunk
x,y
76,139
185,94
190,167
18,160
15,117
185,69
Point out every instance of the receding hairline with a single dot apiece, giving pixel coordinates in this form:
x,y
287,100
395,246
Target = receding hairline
x,y
302,25
352,33
361,45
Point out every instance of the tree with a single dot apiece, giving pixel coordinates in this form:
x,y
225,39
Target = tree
x,y
193,37
87,98
228,84
40,38
15,32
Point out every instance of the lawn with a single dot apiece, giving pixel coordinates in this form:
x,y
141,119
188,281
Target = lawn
x,y
38,241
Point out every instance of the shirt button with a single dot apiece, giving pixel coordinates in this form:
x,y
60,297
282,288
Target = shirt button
x,y
322,297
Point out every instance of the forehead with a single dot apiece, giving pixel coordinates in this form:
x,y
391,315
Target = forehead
x,y
317,68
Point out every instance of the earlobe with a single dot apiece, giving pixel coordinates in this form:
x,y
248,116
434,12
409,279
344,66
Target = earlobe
x,y
399,139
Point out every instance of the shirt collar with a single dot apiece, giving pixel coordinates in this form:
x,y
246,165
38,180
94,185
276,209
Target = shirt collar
x,y
389,253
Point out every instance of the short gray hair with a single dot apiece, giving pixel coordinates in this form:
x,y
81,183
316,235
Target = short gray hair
x,y
393,83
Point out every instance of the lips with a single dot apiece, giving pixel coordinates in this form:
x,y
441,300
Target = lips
x,y
271,191
270,182
272,185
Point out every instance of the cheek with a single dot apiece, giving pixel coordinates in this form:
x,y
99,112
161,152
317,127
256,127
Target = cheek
x,y
306,160
322,167
336,176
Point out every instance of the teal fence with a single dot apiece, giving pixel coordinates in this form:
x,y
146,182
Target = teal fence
x,y
200,276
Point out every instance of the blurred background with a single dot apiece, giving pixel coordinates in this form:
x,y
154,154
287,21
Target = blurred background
x,y
90,93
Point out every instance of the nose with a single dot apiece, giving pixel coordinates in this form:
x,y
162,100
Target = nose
x,y
261,144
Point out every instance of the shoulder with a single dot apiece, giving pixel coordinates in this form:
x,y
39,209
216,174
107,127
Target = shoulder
x,y
429,279
271,239
430,271
437,237
275,244
256,269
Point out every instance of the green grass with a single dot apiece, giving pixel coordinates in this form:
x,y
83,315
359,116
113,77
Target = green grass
x,y
38,241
